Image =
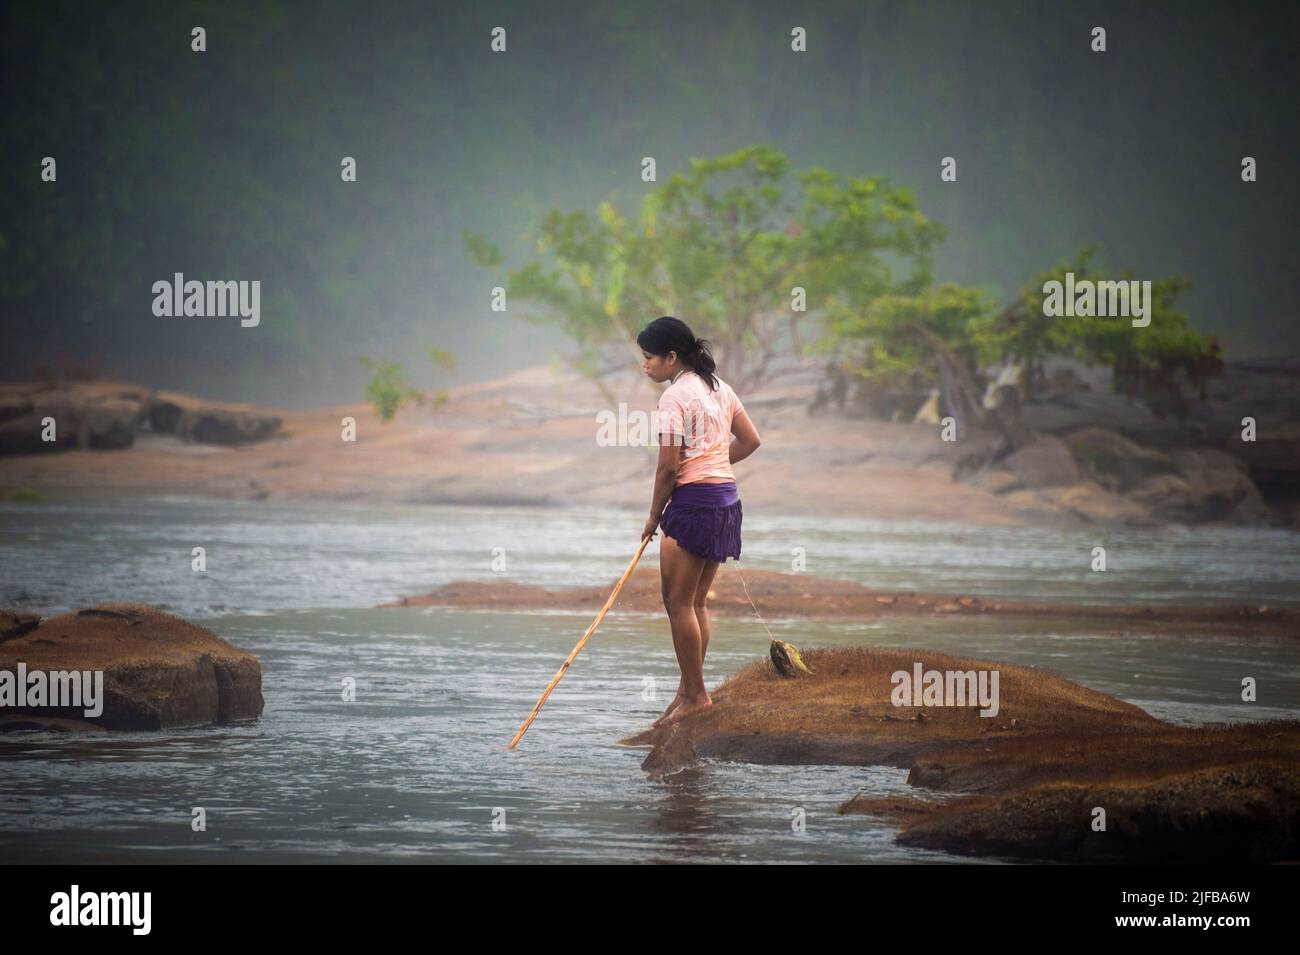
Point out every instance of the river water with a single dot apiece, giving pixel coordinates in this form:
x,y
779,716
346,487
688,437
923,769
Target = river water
x,y
415,769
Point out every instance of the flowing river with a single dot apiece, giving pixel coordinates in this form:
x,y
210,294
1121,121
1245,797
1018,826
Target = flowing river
x,y
416,769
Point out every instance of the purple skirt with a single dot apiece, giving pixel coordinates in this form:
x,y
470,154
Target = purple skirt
x,y
704,519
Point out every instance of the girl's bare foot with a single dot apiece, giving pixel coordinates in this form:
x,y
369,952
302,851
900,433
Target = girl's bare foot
x,y
686,708
676,702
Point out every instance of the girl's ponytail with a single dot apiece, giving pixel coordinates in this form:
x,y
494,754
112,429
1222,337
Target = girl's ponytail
x,y
699,358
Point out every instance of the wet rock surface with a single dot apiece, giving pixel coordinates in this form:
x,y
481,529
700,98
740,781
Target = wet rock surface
x,y
1023,782
158,670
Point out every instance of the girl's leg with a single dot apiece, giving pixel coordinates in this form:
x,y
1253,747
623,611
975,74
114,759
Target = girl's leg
x,y
680,574
701,605
676,568
702,616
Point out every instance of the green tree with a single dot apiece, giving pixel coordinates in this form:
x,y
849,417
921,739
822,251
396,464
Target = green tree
x,y
945,336
1155,364
724,248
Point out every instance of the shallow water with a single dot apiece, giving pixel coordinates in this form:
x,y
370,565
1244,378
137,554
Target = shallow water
x,y
268,556
416,769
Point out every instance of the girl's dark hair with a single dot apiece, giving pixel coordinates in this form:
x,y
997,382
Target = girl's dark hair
x,y
667,334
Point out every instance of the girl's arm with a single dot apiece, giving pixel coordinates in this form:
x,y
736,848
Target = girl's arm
x,y
670,454
747,440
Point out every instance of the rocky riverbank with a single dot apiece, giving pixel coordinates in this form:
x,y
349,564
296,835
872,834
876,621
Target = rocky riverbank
x,y
535,438
46,418
1235,457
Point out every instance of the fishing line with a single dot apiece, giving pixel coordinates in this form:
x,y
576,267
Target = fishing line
x,y
751,603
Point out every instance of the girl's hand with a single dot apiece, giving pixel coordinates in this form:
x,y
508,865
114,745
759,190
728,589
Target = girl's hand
x,y
650,527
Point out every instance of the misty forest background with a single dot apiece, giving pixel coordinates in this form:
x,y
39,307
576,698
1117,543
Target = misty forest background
x,y
225,164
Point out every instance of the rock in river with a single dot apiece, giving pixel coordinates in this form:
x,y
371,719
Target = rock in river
x,y
1029,779
158,670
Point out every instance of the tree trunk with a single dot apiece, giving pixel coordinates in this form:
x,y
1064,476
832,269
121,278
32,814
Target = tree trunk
x,y
960,394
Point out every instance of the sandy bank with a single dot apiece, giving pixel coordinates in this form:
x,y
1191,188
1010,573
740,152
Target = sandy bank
x,y
776,594
533,438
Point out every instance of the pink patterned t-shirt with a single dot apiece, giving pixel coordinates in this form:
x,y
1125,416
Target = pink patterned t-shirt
x,y
703,418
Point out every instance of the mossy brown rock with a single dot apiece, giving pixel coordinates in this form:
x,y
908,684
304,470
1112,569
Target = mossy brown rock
x,y
1114,461
1244,813
13,625
1026,780
842,714
209,422
159,670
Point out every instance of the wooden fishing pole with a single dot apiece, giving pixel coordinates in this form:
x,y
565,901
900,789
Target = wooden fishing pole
x,y
572,656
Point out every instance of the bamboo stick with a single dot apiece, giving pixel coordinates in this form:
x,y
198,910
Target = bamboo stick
x,y
573,656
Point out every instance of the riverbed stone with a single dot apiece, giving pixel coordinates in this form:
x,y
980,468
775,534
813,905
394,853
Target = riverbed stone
x,y
107,415
159,670
1114,461
1023,778
1045,462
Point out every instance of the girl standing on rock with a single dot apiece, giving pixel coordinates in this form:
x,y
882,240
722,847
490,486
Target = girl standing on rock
x,y
698,412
